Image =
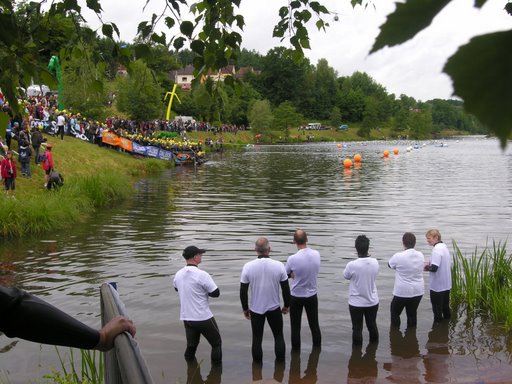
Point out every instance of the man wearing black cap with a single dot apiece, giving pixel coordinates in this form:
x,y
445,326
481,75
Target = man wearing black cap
x,y
194,287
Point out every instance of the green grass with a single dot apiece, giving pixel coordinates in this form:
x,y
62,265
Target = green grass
x,y
94,177
90,371
482,282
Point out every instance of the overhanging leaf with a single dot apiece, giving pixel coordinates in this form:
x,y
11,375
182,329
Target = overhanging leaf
x,y
408,19
481,75
186,27
94,5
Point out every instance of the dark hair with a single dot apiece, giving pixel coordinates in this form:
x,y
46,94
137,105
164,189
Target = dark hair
x,y
300,237
409,240
362,245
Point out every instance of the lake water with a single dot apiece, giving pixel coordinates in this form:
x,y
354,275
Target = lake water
x,y
464,189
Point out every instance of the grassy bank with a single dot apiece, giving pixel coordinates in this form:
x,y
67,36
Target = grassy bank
x,y
482,283
93,177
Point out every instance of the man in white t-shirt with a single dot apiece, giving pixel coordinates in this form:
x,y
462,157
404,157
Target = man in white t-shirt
x,y
264,276
440,268
363,300
194,286
61,121
409,284
303,268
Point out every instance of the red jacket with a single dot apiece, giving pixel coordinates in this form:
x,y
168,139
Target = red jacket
x,y
5,166
48,162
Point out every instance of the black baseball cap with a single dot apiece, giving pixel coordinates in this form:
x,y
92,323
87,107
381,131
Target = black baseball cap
x,y
191,251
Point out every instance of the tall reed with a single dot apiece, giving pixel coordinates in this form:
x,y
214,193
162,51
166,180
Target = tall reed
x,y
90,371
482,282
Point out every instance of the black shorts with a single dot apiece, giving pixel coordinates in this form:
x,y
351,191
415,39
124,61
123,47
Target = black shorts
x,y
9,183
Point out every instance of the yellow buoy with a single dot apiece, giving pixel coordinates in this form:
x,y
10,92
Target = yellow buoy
x,y
338,145
357,158
347,163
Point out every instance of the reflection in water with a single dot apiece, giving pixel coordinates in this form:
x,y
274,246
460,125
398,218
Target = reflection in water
x,y
257,372
362,368
194,373
438,354
405,356
270,191
310,375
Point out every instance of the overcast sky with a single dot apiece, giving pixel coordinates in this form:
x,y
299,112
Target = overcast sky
x,y
413,68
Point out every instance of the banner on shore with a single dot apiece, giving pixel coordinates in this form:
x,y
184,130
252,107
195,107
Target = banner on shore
x,y
131,146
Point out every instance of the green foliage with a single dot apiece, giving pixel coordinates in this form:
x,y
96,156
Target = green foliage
x,y
420,121
140,96
83,86
286,116
58,208
101,189
480,70
408,19
283,79
260,116
489,94
212,39
335,117
91,370
482,282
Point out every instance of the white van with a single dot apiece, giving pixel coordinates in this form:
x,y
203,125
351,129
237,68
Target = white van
x,y
313,126
37,90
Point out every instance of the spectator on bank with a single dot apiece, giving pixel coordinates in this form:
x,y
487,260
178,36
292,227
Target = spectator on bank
x,y
24,154
8,134
8,172
37,140
61,122
47,163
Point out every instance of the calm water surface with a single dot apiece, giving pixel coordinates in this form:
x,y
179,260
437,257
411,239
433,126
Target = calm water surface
x,y
463,189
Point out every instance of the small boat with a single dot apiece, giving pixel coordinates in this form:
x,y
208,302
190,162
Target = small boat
x,y
189,158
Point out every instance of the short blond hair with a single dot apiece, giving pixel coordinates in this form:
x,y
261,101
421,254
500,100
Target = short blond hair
x,y
434,233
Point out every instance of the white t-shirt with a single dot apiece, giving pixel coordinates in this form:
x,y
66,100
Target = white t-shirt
x,y
305,265
264,276
61,120
441,280
193,286
409,266
362,273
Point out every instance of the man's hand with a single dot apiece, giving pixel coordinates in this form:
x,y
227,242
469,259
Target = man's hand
x,y
284,310
247,314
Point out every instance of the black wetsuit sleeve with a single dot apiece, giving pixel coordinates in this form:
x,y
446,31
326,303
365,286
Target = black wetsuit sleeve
x,y
28,317
285,288
215,293
244,296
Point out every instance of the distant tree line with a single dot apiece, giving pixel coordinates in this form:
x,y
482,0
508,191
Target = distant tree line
x,y
293,92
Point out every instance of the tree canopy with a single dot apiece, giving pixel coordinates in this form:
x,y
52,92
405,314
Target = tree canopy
x,y
480,70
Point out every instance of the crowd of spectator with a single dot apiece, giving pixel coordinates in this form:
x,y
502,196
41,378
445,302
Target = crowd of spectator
x,y
40,114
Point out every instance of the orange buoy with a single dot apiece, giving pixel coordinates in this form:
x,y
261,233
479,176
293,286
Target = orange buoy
x,y
395,151
357,158
347,163
386,153
338,145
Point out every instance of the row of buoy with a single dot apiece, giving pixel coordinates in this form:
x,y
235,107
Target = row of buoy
x,y
395,152
347,163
